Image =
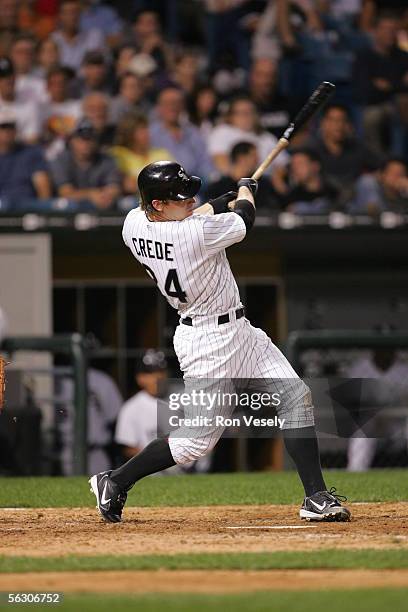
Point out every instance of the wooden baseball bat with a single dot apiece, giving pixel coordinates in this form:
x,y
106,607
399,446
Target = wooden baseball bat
x,y
314,104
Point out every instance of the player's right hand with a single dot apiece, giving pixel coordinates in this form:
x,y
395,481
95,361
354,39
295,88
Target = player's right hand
x,y
250,183
220,204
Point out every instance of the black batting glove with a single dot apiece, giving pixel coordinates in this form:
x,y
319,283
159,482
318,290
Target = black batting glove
x,y
220,204
251,183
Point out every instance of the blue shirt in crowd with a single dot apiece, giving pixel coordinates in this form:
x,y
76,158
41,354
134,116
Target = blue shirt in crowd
x,y
17,168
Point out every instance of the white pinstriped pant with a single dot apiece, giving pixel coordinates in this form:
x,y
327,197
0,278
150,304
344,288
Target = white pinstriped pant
x,y
234,350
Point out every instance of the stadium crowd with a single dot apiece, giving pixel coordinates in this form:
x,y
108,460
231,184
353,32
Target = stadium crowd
x,y
92,91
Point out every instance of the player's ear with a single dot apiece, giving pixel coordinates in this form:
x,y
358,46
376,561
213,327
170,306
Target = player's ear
x,y
158,205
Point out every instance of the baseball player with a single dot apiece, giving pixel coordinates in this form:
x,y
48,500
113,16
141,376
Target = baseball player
x,y
183,250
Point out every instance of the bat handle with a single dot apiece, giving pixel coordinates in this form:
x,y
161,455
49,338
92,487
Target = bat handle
x,y
281,144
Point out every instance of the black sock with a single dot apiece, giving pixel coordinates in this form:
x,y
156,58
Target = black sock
x,y
303,449
154,458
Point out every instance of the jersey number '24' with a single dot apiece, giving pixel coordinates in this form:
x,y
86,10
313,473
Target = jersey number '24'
x,y
172,285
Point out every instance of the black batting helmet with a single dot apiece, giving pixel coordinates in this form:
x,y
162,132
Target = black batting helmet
x,y
166,180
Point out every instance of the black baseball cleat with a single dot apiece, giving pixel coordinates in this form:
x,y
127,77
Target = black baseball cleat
x,y
324,506
110,498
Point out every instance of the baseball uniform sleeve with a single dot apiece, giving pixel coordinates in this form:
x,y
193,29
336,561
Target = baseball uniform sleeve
x,y
221,231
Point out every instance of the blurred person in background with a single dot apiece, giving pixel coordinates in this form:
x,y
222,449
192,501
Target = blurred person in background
x,y
242,124
97,15
96,108
386,190
307,192
47,57
343,157
72,42
243,162
9,24
273,108
23,169
384,376
202,107
132,150
94,75
172,131
29,85
137,421
59,113
83,173
130,98
146,34
381,86
186,71
25,111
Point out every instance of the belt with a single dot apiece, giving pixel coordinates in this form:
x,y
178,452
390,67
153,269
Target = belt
x,y
225,318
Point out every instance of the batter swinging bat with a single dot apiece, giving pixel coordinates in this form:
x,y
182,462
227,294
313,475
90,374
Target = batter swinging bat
x,y
316,101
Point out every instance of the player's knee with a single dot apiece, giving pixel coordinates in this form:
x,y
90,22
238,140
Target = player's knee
x,y
185,450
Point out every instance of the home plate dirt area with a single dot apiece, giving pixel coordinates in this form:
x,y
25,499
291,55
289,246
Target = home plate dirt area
x,y
209,529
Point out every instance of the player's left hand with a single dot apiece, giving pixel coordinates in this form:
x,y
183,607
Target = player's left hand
x,y
220,204
250,183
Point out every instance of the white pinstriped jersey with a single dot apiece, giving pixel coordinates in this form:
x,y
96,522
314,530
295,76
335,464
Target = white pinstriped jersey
x,y
187,259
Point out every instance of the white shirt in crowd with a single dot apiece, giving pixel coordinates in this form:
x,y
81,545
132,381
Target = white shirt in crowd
x,y
28,118
137,421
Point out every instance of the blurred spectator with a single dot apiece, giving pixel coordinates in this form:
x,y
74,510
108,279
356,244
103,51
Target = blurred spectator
x,y
170,130
96,15
243,162
132,151
72,43
9,24
94,75
387,190
380,76
371,9
38,17
130,97
227,32
26,112
147,36
202,106
23,169
242,125
124,56
59,114
84,173
47,57
266,41
137,421
29,86
343,158
96,108
273,108
186,72
307,192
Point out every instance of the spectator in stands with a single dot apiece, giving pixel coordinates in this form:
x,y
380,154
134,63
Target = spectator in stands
x,y
133,151
147,36
60,113
23,169
123,57
243,162
242,124
380,77
73,43
98,16
186,71
131,97
9,25
94,75
387,190
96,108
173,132
26,112
343,158
272,107
47,57
29,86
202,107
307,193
84,173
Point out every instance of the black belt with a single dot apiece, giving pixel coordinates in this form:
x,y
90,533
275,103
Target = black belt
x,y
225,318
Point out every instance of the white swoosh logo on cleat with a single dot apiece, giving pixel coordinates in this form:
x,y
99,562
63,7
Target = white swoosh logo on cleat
x,y
318,506
103,498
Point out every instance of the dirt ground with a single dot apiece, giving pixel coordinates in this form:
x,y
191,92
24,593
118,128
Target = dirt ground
x,y
67,531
